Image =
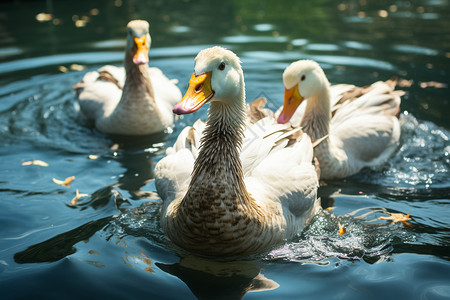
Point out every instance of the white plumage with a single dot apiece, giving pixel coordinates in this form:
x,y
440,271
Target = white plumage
x,y
130,100
231,189
361,123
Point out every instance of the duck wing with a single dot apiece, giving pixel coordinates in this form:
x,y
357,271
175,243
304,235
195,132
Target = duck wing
x,y
173,172
167,94
99,91
365,123
278,171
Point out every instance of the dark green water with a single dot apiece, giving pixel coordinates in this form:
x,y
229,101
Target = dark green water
x,y
111,244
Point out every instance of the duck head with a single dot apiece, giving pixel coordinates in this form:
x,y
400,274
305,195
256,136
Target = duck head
x,y
302,80
138,41
217,77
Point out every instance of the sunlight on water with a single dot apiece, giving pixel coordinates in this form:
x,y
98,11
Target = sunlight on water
x,y
415,50
322,47
239,39
85,58
263,27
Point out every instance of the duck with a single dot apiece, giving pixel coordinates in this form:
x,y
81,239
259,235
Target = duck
x,y
359,126
233,188
132,100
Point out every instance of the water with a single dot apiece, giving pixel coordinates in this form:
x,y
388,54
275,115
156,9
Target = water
x,y
111,245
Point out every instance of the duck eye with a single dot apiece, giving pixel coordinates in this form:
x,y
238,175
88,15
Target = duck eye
x,y
303,77
221,66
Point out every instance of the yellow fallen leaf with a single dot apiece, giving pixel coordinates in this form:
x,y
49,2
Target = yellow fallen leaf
x,y
405,83
94,11
92,156
64,182
77,196
44,17
36,163
435,84
63,69
80,23
342,229
76,67
396,217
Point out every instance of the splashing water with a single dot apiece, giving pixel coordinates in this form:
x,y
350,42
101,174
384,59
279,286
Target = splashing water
x,y
365,238
422,160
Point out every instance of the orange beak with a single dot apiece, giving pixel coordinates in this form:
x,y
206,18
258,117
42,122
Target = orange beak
x,y
198,93
292,100
141,56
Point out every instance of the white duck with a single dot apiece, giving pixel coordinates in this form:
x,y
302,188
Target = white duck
x,y
219,200
135,100
361,123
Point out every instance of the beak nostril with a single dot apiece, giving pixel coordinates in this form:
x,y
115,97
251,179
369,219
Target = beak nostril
x,y
198,87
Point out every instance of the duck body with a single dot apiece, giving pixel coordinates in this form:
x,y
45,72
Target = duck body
x,y
130,100
361,124
231,189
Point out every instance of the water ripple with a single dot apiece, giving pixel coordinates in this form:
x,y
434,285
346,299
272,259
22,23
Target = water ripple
x,y
239,39
61,59
413,49
42,110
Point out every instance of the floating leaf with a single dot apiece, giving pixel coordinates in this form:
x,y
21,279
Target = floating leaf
x,y
92,156
94,12
396,217
44,17
77,67
435,84
64,182
405,83
80,23
35,163
78,196
342,229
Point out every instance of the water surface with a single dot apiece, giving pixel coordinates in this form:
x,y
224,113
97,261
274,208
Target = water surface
x,y
111,245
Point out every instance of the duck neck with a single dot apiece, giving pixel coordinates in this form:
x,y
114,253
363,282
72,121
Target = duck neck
x,y
316,120
137,87
217,178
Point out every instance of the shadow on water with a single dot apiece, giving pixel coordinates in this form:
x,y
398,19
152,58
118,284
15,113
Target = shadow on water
x,y
219,280
135,154
61,245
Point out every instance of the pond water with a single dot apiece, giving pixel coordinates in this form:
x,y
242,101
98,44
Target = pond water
x,y
111,245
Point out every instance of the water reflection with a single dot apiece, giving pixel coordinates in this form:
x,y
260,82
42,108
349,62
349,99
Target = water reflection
x,y
219,280
139,171
101,198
